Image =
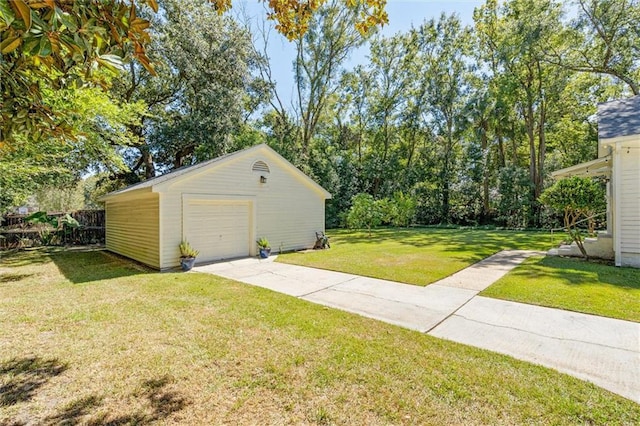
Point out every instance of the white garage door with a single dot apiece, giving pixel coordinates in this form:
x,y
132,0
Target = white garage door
x,y
219,229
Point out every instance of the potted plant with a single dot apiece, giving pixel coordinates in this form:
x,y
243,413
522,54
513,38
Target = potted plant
x,y
263,247
187,255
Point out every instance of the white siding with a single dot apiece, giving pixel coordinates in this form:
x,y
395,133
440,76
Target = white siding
x,y
629,203
132,228
287,209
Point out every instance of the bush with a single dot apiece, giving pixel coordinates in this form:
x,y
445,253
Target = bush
x,y
401,209
365,212
576,197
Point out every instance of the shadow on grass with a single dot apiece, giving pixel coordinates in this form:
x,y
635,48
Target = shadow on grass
x,y
580,272
162,404
74,413
9,278
17,258
95,265
21,378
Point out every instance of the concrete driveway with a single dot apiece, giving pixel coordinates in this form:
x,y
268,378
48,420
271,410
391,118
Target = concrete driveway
x,y
601,350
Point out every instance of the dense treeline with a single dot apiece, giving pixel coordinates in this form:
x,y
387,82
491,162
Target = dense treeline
x,y
465,121
471,120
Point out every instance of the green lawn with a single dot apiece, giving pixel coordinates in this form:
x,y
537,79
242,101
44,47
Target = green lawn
x,y
90,338
417,256
573,284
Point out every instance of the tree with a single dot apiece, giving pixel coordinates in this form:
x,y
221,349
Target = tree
x,y
447,88
102,125
321,51
365,212
59,43
402,209
603,39
54,44
207,61
576,197
520,38
196,101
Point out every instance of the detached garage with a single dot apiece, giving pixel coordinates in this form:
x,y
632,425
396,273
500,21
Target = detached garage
x,y
221,207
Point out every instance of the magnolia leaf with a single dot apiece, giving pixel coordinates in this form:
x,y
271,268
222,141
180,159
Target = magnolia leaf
x,y
10,44
45,47
153,4
68,21
39,5
139,24
24,11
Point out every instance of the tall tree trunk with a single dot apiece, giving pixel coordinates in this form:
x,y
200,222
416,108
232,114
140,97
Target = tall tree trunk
x,y
485,172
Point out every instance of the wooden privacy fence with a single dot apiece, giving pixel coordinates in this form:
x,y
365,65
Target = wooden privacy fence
x,y
15,232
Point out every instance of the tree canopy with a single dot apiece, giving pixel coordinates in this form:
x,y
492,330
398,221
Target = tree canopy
x,y
50,44
446,123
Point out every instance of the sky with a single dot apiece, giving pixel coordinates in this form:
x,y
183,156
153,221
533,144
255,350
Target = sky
x,y
403,14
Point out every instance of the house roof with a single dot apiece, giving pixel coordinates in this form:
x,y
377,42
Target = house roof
x,y
598,167
188,170
619,118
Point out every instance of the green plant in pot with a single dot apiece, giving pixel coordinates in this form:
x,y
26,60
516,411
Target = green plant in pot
x,y
187,255
264,248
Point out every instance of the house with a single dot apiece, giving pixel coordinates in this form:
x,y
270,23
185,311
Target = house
x,y
221,207
619,162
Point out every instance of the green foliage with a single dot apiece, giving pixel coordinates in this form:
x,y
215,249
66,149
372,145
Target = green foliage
x,y
196,103
582,195
514,189
51,45
577,198
365,212
263,243
186,250
31,165
401,209
51,229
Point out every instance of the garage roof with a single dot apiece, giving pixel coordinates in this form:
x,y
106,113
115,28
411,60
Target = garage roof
x,y
188,170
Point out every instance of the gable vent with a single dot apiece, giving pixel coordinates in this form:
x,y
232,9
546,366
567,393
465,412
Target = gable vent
x,y
260,166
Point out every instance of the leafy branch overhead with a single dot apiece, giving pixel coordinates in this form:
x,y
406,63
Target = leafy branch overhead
x,y
293,16
61,43
53,44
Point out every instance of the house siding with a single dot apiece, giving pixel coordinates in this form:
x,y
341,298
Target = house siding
x,y
132,228
629,203
287,210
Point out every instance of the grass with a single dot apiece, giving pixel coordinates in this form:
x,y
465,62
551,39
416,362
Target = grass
x,y
417,256
90,338
573,284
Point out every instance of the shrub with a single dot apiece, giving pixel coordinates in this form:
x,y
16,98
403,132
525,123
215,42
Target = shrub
x,y
365,212
576,197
